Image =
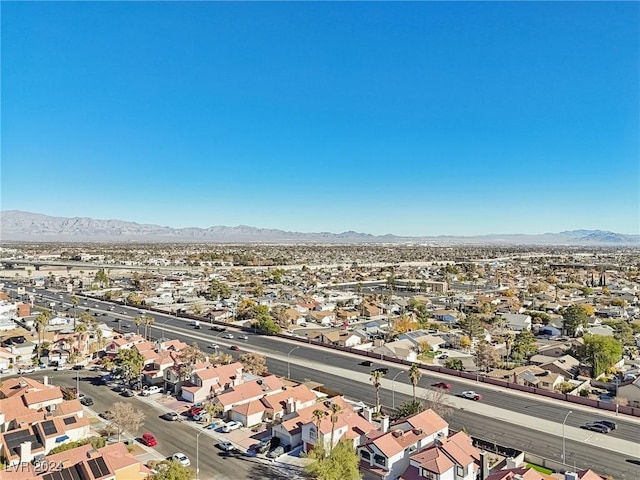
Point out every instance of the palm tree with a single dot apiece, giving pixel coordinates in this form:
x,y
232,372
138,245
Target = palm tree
x,y
318,415
414,376
148,321
75,301
376,379
335,412
41,322
138,321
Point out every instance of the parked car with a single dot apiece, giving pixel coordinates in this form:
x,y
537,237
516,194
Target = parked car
x,y
182,459
610,424
446,386
171,416
201,416
128,393
596,427
151,391
149,440
194,411
230,426
86,401
263,446
444,356
234,347
226,446
471,395
276,452
26,370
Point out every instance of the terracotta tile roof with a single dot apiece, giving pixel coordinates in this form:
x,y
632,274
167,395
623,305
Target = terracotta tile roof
x,y
589,475
241,393
17,385
434,460
67,407
525,474
40,396
249,408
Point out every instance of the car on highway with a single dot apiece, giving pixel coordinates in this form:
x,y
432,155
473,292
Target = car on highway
x,y
234,347
218,328
170,416
383,370
243,337
226,446
471,395
610,424
126,325
228,335
149,440
446,386
212,345
230,426
366,363
596,427
181,458
78,367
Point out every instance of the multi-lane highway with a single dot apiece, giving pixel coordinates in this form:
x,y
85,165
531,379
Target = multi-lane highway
x,y
582,454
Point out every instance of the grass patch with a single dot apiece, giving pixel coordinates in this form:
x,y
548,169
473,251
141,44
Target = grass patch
x,y
540,469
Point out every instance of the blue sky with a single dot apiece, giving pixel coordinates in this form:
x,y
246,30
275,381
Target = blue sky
x,y
406,118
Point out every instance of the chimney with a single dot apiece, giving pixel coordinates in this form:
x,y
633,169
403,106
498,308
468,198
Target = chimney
x,y
484,465
291,405
384,424
25,452
45,380
570,476
367,413
511,463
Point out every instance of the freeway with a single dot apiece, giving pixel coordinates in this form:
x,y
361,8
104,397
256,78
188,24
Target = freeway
x,y
535,440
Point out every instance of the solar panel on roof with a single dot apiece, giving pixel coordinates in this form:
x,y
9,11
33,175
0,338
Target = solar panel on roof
x,y
69,420
98,467
49,427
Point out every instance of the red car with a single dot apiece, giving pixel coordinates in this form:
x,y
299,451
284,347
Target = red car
x,y
195,410
149,440
234,347
446,386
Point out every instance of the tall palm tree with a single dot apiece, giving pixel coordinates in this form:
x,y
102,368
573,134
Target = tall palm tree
x,y
75,301
318,415
414,376
335,412
42,320
148,321
376,379
138,321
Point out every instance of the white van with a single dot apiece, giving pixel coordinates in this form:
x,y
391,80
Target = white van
x,y
151,390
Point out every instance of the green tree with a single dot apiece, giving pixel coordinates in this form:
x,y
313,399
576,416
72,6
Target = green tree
x,y
318,416
186,359
138,321
219,290
524,345
471,326
129,362
601,352
101,277
172,470
622,331
267,325
376,380
408,409
340,464
454,364
575,318
41,322
414,377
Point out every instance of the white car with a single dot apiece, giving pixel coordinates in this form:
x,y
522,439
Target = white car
x,y
228,335
213,345
26,370
243,337
230,426
471,395
182,459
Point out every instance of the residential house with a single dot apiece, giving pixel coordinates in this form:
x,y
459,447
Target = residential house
x,y
247,392
386,454
341,338
422,337
402,349
454,458
517,322
530,375
446,316
207,382
324,317
126,341
631,392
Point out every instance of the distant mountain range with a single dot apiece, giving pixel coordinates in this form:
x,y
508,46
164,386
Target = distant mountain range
x,y
16,225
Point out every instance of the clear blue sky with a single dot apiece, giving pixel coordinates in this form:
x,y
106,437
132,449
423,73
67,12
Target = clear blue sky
x,y
408,118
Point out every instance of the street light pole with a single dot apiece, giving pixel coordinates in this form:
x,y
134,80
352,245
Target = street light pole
x,y
563,438
288,364
393,390
198,454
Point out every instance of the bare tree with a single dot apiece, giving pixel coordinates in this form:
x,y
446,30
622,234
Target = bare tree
x,y
123,416
253,363
439,401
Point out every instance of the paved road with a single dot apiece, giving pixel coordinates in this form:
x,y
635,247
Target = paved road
x,y
535,441
172,436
